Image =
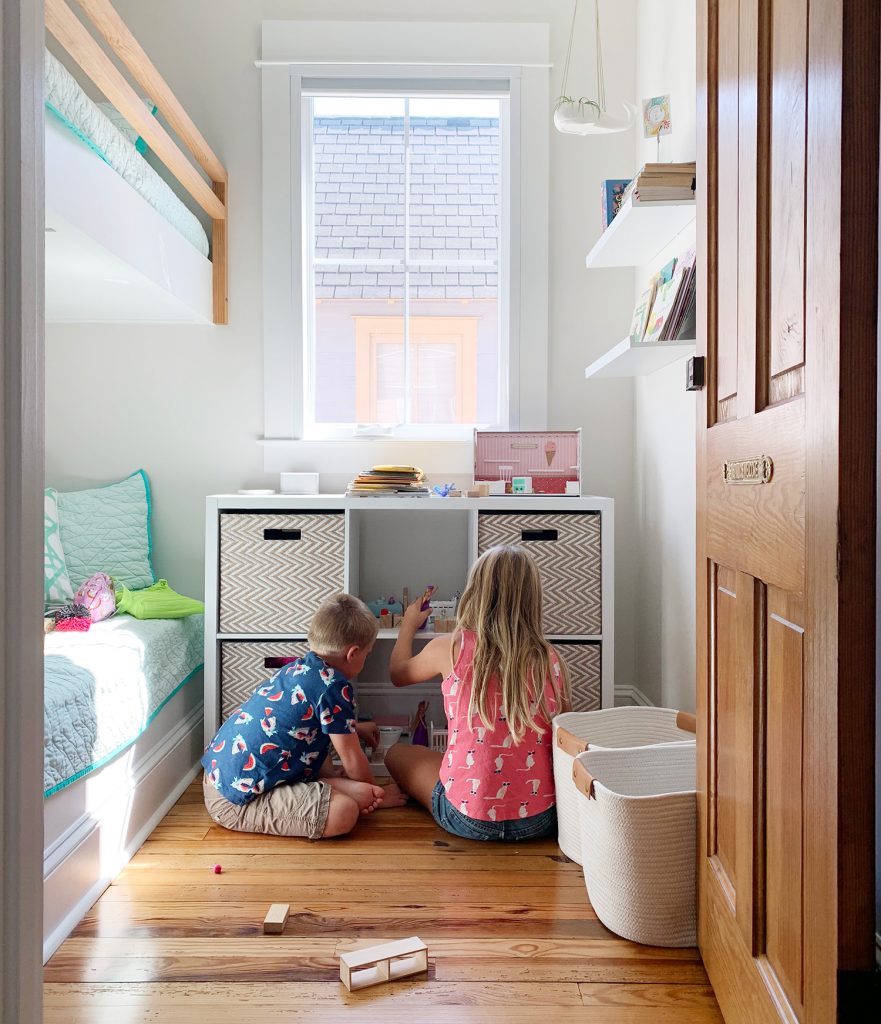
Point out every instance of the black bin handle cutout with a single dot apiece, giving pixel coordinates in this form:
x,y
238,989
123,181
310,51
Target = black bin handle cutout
x,y
538,534
282,534
279,660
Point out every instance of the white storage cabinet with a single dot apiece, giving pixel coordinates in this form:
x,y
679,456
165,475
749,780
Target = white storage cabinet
x,y
270,561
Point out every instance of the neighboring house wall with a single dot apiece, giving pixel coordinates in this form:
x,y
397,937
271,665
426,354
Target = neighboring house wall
x,y
665,411
186,403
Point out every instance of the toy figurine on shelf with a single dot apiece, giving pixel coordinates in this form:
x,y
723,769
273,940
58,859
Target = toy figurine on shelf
x,y
419,727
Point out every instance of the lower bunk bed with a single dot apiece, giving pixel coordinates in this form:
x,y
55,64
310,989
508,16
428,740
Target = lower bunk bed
x,y
123,737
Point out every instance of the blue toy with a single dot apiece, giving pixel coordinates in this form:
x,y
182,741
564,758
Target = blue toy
x,y
443,490
391,604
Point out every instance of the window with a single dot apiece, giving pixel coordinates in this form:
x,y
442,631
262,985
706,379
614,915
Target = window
x,y
304,66
404,206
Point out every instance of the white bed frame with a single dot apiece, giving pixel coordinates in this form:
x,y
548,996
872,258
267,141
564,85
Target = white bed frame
x,y
94,827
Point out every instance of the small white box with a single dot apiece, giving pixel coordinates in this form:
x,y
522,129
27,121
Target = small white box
x,y
573,487
496,486
299,483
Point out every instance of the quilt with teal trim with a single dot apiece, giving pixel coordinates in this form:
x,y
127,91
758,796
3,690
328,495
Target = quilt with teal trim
x,y
105,686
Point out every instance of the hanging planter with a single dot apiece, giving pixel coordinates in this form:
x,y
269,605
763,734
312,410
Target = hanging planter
x,y
586,116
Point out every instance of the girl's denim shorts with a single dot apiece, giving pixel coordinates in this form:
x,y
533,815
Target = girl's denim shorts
x,y
515,831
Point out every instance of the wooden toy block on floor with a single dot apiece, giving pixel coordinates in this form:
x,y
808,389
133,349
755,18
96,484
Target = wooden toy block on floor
x,y
376,964
276,918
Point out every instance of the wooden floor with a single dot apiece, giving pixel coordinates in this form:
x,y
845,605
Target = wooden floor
x,y
510,934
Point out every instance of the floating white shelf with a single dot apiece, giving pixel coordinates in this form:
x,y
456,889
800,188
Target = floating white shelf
x,y
631,359
639,232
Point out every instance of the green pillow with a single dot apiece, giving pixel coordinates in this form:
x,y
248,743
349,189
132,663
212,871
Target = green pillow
x,y
156,602
56,582
107,529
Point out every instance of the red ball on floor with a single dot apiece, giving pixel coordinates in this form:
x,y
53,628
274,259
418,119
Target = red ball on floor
x,y
217,869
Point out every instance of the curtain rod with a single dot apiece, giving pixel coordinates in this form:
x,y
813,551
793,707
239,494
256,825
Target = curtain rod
x,y
395,63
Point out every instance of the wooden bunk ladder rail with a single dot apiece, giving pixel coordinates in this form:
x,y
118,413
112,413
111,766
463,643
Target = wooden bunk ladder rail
x,y
119,38
72,34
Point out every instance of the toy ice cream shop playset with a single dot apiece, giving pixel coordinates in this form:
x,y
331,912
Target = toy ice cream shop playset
x,y
528,461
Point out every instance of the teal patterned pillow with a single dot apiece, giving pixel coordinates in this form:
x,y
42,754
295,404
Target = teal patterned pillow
x,y
107,529
56,583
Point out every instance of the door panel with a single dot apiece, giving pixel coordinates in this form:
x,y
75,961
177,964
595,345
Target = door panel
x,y
787,295
784,911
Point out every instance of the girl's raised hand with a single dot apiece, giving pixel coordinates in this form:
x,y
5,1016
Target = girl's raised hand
x,y
414,616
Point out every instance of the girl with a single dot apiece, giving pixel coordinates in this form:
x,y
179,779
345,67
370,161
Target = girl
x,y
495,779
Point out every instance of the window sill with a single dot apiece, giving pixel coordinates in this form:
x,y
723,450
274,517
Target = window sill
x,y
338,461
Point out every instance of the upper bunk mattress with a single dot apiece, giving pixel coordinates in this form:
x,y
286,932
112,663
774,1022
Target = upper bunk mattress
x,y
105,686
65,98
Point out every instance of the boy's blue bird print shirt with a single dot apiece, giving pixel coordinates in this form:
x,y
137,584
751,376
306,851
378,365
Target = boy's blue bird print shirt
x,y
282,731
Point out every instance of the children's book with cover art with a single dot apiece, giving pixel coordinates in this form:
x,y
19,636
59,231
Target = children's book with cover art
x,y
641,313
613,190
668,286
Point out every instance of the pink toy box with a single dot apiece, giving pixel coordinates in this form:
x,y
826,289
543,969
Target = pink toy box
x,y
552,458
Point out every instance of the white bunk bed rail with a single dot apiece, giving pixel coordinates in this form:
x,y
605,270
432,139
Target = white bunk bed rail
x,y
211,195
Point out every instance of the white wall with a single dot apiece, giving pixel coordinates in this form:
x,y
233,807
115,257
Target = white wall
x,y
664,411
186,403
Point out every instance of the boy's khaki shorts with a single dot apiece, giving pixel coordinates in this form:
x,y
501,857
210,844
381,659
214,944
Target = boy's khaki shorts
x,y
292,809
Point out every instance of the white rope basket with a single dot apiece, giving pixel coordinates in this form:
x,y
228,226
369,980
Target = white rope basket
x,y
576,731
638,840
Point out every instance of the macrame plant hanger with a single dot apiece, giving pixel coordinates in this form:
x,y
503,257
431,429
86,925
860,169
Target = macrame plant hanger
x,y
585,116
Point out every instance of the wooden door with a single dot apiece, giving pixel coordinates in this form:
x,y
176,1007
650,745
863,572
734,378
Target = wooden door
x,y
787,170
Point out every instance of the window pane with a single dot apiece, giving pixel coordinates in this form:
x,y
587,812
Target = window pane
x,y
454,179
358,159
466,309
357,311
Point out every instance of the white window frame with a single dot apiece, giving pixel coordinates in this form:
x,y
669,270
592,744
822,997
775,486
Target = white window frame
x,y
337,51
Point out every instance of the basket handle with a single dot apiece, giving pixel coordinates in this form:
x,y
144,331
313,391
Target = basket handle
x,y
686,720
583,780
569,743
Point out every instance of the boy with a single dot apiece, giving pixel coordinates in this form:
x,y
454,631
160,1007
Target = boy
x,y
262,768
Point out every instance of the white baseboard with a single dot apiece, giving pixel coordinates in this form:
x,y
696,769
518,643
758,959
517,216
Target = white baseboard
x,y
81,861
627,696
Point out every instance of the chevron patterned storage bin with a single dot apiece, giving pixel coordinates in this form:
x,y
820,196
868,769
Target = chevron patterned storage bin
x,y
566,546
277,567
637,819
585,663
602,730
243,668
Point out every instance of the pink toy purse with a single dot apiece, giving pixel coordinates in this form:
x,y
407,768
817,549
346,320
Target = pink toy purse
x,y
98,596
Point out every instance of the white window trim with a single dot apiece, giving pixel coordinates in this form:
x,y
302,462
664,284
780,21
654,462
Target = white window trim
x,y
428,48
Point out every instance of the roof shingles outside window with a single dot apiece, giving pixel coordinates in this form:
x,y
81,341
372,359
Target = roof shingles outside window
x,y
359,205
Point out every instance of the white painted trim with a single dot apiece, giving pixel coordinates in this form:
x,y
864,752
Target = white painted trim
x,y
211,660
289,49
148,790
627,695
418,42
21,508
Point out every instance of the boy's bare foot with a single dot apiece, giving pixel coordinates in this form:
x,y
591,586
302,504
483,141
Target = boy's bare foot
x,y
367,796
392,796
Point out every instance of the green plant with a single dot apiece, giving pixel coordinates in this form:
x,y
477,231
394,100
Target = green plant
x,y
581,103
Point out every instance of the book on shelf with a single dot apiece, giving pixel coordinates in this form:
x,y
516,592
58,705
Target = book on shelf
x,y
613,190
662,183
666,311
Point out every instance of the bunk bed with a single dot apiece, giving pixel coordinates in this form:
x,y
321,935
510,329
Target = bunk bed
x,y
120,245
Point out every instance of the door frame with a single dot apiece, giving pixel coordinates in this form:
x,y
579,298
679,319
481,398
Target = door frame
x,y
22,213
840,492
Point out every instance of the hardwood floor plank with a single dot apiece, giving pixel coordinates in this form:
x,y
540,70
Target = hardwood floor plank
x,y
355,891
302,855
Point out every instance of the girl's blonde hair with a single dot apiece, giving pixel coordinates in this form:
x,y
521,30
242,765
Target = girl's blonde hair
x,y
501,604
